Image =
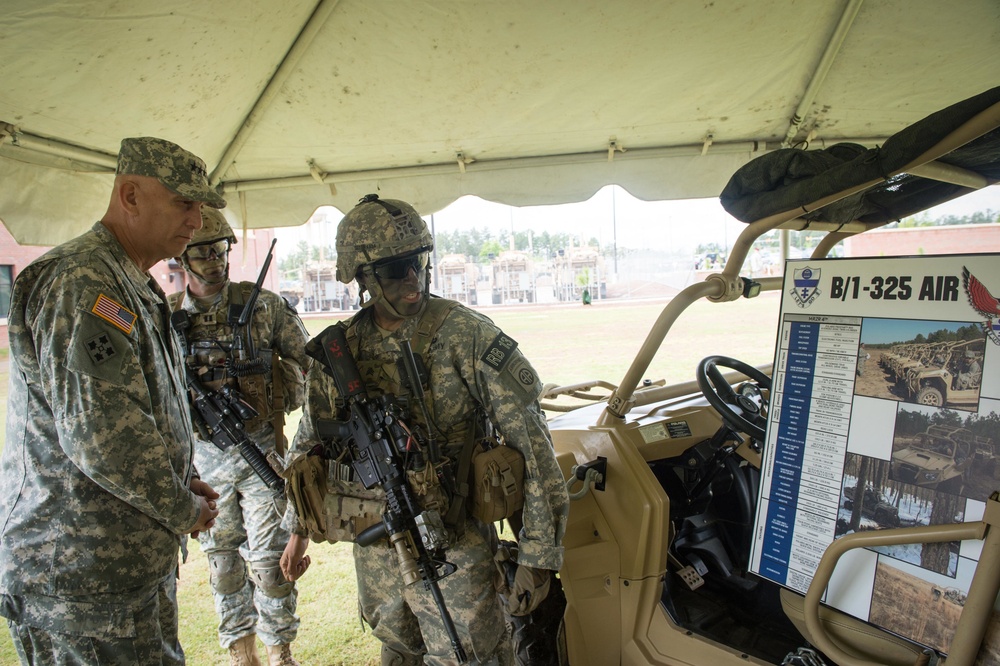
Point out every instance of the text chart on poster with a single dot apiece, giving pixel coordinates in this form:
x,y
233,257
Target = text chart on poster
x,y
884,412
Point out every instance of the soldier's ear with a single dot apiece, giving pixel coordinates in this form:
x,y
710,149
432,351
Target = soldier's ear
x,y
128,195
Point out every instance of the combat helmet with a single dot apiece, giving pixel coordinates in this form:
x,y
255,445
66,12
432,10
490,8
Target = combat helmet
x,y
375,230
214,228
378,229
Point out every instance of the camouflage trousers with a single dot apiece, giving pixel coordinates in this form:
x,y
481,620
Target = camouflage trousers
x,y
98,630
247,533
406,619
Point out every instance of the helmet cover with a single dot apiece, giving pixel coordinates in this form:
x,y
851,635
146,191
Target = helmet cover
x,y
214,226
378,229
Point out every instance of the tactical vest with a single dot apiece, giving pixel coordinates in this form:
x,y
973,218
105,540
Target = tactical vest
x,y
384,377
209,341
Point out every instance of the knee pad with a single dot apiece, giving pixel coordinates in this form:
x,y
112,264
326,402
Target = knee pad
x,y
227,572
268,578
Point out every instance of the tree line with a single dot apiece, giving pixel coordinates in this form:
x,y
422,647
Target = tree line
x,y
480,244
910,423
924,219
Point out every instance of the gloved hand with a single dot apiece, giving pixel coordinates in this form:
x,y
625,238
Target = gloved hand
x,y
528,589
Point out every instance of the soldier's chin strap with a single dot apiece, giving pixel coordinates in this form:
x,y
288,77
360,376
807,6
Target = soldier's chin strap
x,y
187,266
222,280
373,287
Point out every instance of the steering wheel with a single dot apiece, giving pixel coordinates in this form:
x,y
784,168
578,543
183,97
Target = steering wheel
x,y
743,409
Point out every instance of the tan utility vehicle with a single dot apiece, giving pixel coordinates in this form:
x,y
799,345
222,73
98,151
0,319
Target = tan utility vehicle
x,y
949,384
938,458
512,278
665,478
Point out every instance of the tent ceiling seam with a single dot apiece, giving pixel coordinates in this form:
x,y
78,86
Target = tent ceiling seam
x,y
274,85
822,69
750,148
106,162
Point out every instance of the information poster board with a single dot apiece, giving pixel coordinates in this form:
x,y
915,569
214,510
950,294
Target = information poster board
x,y
884,412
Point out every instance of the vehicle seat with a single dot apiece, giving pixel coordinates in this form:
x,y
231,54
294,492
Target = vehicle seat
x,y
856,638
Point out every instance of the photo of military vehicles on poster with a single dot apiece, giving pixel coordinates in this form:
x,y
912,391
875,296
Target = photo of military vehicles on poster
x,y
946,450
940,459
932,363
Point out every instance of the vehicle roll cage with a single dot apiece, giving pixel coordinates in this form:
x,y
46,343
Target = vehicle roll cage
x,y
934,163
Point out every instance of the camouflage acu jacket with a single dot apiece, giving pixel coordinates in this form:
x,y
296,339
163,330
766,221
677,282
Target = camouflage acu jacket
x,y
275,327
95,469
472,366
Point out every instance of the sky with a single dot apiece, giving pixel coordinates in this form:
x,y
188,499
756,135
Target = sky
x,y
612,215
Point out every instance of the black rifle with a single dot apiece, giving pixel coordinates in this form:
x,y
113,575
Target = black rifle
x,y
223,413
381,448
243,358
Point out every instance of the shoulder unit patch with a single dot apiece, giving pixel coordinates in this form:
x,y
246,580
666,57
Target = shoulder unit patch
x,y
500,352
112,312
100,348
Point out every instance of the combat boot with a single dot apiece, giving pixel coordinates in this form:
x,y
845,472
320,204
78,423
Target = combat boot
x,y
280,655
243,652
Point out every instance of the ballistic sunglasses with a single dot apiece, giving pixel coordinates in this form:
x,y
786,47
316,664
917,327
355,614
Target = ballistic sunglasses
x,y
205,251
397,269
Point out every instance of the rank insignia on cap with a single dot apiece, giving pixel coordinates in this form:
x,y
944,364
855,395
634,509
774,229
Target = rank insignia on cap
x,y
113,313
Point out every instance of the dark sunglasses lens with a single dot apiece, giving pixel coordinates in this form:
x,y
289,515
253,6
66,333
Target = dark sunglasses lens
x,y
400,268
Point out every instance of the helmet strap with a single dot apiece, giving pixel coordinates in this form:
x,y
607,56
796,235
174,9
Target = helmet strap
x,y
224,279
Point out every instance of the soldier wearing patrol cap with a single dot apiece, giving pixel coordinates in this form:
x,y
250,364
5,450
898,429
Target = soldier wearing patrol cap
x,y
97,485
252,597
477,381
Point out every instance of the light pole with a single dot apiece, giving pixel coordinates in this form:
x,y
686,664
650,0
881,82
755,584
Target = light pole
x,y
614,226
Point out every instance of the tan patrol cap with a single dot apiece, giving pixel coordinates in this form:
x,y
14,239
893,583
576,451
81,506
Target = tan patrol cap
x,y
178,170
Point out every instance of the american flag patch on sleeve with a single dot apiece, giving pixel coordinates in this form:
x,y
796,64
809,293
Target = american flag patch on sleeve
x,y
110,311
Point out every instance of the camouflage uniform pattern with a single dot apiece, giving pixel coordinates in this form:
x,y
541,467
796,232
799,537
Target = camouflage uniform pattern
x,y
248,527
374,233
472,366
178,170
98,456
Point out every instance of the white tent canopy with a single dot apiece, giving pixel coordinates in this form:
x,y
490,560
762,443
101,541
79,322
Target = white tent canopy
x,y
300,103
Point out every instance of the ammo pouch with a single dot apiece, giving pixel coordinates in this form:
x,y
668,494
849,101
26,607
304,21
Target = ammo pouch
x,y
330,510
426,485
497,482
306,489
351,509
256,389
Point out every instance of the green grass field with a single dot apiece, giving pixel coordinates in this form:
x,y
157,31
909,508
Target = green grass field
x,y
567,344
